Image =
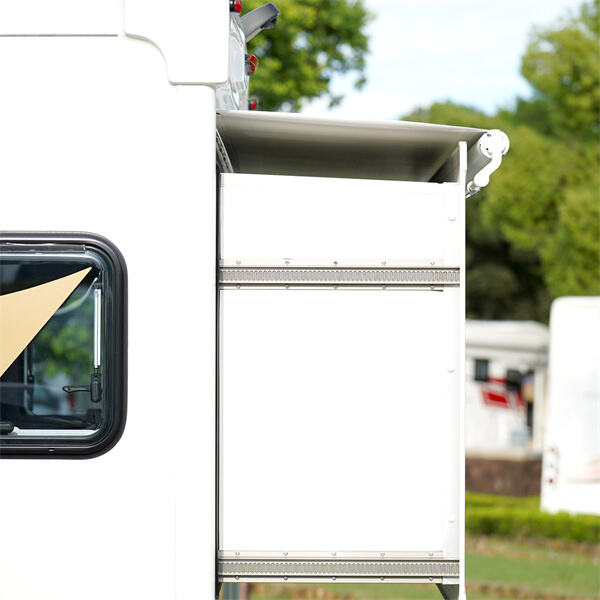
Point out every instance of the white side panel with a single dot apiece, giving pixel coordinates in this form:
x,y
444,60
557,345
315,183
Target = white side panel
x,y
55,17
333,410
340,409
571,462
89,143
277,217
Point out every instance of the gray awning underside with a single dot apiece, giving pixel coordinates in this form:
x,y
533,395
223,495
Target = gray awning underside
x,y
296,144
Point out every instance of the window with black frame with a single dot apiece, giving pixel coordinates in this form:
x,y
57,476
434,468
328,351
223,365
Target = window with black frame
x,y
62,345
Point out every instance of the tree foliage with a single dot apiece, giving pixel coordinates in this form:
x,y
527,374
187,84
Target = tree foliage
x,y
534,233
563,66
313,40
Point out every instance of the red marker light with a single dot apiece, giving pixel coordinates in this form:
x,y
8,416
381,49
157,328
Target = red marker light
x,y
235,6
251,64
252,104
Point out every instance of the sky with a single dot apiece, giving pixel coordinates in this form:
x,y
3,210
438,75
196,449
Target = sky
x,y
423,51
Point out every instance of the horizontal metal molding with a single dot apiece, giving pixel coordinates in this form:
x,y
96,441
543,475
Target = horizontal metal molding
x,y
327,276
337,568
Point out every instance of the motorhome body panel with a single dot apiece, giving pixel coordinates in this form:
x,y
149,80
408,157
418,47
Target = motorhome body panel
x,y
91,130
60,17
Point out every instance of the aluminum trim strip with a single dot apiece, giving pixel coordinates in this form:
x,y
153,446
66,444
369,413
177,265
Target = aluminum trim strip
x,y
323,276
337,568
404,555
286,579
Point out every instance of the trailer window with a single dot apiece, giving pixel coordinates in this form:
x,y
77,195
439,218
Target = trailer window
x,y
62,345
482,367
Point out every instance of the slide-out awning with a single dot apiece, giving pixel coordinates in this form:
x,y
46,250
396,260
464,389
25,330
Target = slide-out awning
x,y
297,144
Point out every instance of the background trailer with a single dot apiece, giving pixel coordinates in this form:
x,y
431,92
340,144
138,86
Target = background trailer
x,y
264,371
571,460
506,370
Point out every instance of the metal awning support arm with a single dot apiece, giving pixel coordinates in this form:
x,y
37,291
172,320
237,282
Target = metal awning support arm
x,y
485,157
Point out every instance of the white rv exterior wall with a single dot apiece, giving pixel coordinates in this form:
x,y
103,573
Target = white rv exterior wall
x,y
94,138
571,461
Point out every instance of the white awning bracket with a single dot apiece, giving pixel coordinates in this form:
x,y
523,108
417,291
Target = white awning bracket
x,y
486,156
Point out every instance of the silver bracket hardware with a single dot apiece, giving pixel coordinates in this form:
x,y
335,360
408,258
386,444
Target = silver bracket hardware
x,y
379,277
489,150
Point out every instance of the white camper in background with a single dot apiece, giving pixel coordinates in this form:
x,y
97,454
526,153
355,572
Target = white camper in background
x,y
285,343
571,460
506,369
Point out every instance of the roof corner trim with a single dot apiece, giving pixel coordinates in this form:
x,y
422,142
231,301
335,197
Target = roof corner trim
x,y
193,37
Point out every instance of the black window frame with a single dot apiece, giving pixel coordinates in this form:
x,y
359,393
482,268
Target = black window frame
x,y
115,382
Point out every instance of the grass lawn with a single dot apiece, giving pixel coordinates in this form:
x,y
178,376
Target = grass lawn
x,y
496,568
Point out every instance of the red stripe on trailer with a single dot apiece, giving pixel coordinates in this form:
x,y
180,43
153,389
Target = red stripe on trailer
x,y
491,398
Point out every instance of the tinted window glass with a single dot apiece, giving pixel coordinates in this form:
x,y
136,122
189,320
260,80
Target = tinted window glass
x,y
481,369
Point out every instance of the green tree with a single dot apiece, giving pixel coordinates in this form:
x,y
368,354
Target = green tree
x,y
313,40
550,200
572,255
563,66
534,233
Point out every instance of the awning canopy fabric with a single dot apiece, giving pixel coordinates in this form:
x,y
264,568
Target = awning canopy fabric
x,y
297,144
